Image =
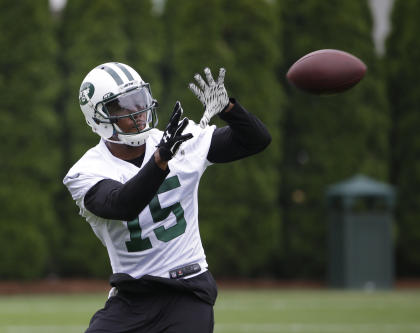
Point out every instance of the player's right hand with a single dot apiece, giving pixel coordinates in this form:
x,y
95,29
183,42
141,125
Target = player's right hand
x,y
172,136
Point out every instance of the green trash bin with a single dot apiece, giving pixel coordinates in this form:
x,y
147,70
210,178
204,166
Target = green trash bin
x,y
360,242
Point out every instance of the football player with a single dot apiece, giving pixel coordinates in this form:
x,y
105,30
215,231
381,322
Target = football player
x,y
137,188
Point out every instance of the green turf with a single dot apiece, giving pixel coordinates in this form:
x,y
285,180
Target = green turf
x,y
258,311
318,311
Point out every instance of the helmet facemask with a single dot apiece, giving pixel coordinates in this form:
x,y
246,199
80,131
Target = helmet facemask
x,y
134,110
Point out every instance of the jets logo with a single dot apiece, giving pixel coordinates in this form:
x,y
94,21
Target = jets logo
x,y
86,92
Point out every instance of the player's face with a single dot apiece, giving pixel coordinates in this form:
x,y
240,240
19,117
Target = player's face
x,y
129,121
131,111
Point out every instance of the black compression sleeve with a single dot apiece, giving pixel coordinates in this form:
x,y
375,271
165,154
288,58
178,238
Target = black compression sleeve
x,y
245,135
113,200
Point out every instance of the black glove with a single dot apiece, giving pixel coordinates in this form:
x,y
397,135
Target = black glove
x,y
172,136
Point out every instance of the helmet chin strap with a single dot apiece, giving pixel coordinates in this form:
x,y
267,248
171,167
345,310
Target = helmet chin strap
x,y
134,140
115,141
129,140
132,143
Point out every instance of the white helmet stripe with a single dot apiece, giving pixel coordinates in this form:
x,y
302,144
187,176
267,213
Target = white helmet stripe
x,y
114,75
125,70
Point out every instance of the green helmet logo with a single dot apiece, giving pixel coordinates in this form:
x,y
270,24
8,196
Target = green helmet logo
x,y
86,92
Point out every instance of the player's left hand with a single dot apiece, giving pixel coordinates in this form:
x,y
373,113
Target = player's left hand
x,y
172,136
212,94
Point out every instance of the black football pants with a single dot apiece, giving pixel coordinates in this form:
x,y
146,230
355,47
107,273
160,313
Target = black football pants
x,y
165,312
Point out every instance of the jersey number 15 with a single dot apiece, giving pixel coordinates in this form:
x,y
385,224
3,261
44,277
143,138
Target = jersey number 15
x,y
159,214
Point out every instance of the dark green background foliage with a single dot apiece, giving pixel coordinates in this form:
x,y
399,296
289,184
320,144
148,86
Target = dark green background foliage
x,y
330,138
403,86
241,196
263,216
29,176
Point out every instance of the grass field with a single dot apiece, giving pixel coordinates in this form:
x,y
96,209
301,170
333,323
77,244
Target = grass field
x,y
238,311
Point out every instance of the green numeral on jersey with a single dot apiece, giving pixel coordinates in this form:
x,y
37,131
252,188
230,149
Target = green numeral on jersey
x,y
136,243
158,214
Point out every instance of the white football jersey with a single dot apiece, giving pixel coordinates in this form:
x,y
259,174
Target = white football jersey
x,y
165,235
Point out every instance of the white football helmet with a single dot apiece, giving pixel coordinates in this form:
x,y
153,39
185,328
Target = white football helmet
x,y
115,86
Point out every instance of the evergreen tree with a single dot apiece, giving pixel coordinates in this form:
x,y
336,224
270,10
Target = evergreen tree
x,y
403,88
326,139
245,239
144,31
29,155
192,39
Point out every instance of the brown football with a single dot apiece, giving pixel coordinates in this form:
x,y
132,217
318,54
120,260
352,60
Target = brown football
x,y
326,71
